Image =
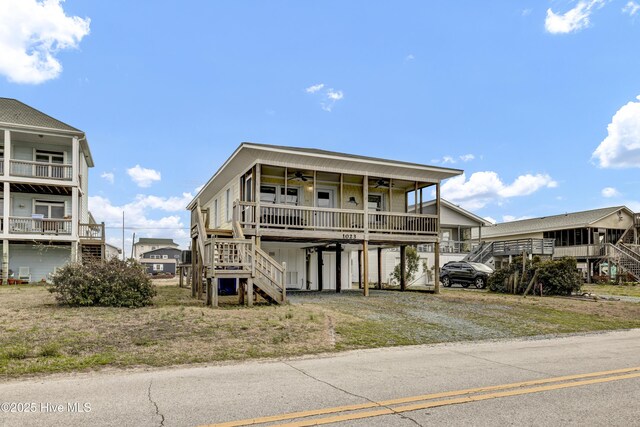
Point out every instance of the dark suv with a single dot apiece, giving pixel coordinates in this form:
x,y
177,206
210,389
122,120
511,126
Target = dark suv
x,y
465,273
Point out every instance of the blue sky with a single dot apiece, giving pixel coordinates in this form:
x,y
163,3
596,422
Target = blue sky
x,y
535,100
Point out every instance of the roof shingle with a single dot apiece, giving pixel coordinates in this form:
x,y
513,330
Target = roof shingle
x,y
15,112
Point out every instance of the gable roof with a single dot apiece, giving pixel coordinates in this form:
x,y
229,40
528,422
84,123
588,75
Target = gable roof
x,y
176,250
455,208
14,112
248,153
153,241
555,222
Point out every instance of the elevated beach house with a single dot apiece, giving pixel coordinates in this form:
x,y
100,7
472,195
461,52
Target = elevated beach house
x,y
277,217
596,237
44,170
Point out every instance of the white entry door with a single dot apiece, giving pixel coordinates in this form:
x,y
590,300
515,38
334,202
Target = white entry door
x,y
324,199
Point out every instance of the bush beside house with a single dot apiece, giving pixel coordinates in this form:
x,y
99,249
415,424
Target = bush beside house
x,y
112,283
558,277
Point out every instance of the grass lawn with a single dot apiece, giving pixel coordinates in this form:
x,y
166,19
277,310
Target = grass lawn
x,y
632,290
38,336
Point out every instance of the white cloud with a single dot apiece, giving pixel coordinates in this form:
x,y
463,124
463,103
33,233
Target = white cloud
x,y
467,157
490,219
108,176
574,19
621,147
143,177
486,187
448,159
32,33
526,12
511,218
609,192
328,97
409,57
314,88
141,217
631,8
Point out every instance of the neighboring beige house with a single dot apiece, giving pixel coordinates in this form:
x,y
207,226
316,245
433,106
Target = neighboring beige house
x,y
146,244
591,237
309,209
44,173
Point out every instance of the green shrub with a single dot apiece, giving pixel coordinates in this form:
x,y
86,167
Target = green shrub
x,y
558,277
413,264
112,283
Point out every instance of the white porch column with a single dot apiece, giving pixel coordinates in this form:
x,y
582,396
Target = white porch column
x,y
6,206
75,217
7,152
5,261
75,160
74,252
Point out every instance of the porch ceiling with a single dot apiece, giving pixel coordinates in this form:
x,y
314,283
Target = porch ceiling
x,y
40,189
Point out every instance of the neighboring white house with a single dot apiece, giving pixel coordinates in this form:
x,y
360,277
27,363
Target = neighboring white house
x,y
146,244
310,209
44,170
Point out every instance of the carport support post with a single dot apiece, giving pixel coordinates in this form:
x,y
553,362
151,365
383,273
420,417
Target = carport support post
x,y
365,267
250,292
436,255
403,267
359,269
379,268
194,254
338,268
320,262
5,261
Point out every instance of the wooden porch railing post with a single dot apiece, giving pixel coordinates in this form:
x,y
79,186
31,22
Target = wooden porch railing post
x,y
284,281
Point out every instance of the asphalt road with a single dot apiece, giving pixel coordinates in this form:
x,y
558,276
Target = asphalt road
x,y
371,379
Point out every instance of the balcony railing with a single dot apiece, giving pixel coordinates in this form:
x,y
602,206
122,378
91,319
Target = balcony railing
x,y
329,219
41,170
22,225
449,246
91,231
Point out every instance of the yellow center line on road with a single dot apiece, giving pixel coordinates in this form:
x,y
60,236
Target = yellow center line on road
x,y
520,389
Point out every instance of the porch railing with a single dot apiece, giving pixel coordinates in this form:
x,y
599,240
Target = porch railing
x,y
449,246
531,246
22,225
330,219
41,170
91,231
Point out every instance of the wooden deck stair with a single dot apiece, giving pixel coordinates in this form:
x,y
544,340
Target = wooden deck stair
x,y
92,251
240,258
625,256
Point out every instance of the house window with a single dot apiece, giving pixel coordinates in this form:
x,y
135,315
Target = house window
x,y
291,197
268,194
48,170
158,267
216,214
165,256
375,202
49,209
154,256
228,207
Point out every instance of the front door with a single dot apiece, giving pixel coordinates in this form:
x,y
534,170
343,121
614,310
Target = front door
x,y
324,200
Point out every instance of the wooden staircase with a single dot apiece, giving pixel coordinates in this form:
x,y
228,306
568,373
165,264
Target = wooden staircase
x,y
240,258
92,251
625,257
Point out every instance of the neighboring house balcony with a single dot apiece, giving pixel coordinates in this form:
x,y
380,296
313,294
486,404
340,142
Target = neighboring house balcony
x,y
450,247
91,231
46,170
37,225
579,251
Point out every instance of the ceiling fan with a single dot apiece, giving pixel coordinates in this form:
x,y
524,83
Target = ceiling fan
x,y
381,183
299,176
